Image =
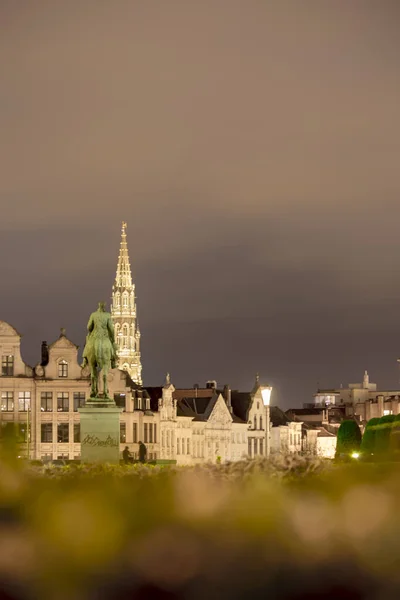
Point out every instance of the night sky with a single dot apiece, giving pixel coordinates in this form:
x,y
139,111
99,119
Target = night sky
x,y
252,146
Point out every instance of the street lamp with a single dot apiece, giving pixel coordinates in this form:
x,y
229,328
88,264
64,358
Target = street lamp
x,y
266,397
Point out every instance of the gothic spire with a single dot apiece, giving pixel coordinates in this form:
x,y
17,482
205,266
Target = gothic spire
x,y
124,315
123,277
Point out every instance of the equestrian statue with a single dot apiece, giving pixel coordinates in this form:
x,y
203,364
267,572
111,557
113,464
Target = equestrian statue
x,y
100,351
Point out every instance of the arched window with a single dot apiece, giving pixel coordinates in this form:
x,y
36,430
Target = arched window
x,y
117,330
117,300
125,300
63,368
125,334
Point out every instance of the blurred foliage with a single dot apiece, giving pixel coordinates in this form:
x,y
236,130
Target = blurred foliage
x,y
348,438
292,527
368,439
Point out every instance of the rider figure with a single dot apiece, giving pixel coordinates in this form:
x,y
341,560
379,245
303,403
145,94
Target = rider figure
x,y
100,324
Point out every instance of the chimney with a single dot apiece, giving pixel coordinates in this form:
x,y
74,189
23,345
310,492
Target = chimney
x,y
211,385
227,395
45,355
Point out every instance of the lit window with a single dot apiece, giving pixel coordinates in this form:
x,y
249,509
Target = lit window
x,y
7,365
24,401
63,368
7,401
387,412
134,433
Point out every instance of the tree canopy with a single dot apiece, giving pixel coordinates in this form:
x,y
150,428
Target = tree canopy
x,y
348,438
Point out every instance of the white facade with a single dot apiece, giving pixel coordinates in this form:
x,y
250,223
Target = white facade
x,y
124,315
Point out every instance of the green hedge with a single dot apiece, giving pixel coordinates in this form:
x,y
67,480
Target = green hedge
x,y
348,438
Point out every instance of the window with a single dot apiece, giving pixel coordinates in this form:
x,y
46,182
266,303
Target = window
x,y
168,438
125,334
387,412
24,401
63,456
63,368
134,433
155,433
117,300
122,433
77,433
178,445
255,422
7,365
7,401
46,436
79,400
119,400
63,433
62,402
151,433
262,447
255,447
188,446
125,301
145,433
46,402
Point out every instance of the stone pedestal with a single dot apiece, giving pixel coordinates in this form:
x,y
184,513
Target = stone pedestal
x,y
100,431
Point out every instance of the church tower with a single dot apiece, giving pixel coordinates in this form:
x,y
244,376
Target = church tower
x,y
124,316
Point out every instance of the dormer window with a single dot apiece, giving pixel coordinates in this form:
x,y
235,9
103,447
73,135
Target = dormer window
x,y
63,368
7,365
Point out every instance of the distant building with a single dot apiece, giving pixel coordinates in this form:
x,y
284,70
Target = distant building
x,y
124,315
188,426
361,401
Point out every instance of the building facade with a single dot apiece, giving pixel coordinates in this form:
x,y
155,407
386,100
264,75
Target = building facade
x,y
362,401
188,426
124,315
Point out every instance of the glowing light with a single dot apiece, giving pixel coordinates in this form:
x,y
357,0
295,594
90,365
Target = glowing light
x,y
266,395
355,455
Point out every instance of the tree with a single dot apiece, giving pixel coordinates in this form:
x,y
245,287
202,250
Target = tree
x,y
368,440
382,436
348,438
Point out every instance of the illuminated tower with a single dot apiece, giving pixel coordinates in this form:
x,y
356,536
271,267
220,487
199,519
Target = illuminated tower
x,y
124,316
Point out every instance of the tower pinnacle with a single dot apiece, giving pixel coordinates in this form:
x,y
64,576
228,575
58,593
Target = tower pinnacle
x,y
124,315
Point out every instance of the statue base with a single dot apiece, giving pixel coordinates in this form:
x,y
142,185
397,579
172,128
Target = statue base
x,y
100,431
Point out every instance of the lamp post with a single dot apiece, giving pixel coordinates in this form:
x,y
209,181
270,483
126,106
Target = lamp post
x,y
266,396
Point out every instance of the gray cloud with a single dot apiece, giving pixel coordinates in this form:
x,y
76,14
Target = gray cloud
x,y
253,149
